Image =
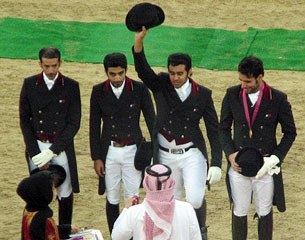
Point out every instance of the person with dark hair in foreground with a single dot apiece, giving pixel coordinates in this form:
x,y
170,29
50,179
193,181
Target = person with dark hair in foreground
x,y
38,191
160,216
50,115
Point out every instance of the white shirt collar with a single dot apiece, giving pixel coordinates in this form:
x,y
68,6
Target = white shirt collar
x,y
184,91
49,82
253,97
117,90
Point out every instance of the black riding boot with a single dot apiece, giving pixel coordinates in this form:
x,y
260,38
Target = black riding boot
x,y
65,210
112,213
239,227
265,227
201,214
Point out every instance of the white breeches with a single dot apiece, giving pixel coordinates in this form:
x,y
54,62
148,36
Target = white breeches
x,y
188,169
120,168
243,187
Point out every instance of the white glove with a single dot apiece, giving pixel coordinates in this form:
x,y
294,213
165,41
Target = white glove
x,y
44,157
275,170
269,166
214,175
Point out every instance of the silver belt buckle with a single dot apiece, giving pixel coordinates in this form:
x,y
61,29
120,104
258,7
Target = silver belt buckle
x,y
177,151
115,144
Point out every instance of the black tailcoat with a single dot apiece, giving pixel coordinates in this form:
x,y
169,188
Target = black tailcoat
x,y
55,112
179,118
120,118
275,109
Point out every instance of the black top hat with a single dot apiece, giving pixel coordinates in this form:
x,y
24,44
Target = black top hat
x,y
58,173
144,14
250,160
143,155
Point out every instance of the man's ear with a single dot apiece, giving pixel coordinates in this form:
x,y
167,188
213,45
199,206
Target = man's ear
x,y
260,77
190,73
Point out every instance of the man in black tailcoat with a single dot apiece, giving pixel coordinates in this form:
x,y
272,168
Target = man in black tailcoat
x,y
179,143
115,109
50,115
254,110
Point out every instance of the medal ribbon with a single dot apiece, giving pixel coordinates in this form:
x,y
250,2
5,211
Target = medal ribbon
x,y
257,106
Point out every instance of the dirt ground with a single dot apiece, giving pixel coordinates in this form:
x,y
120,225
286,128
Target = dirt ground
x,y
89,206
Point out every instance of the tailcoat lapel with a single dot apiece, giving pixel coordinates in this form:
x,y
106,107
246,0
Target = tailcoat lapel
x,y
47,96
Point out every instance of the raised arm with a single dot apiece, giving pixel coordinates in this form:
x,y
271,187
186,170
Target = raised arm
x,y
142,67
139,39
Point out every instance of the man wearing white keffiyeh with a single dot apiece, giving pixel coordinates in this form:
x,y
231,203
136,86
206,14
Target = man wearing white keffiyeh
x,y
160,216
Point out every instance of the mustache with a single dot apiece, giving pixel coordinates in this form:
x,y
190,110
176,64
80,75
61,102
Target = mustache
x,y
117,84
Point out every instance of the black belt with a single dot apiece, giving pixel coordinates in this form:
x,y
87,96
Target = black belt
x,y
176,150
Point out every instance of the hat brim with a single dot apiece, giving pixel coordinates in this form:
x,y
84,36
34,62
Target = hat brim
x,y
58,173
250,160
143,155
144,14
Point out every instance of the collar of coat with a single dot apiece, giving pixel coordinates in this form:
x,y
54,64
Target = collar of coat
x,y
59,81
128,85
267,95
194,85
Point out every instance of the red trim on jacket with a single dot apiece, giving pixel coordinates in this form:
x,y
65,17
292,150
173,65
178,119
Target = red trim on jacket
x,y
195,87
267,96
267,92
59,80
128,85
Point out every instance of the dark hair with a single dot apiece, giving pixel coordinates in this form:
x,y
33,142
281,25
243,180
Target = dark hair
x,y
49,52
36,190
251,66
115,60
176,59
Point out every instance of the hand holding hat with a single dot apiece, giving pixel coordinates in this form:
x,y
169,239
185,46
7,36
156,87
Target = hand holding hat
x,y
58,173
250,161
269,166
44,157
214,175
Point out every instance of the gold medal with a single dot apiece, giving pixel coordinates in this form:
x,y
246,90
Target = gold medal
x,y
250,133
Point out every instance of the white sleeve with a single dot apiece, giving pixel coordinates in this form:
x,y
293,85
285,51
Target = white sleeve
x,y
122,229
195,233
